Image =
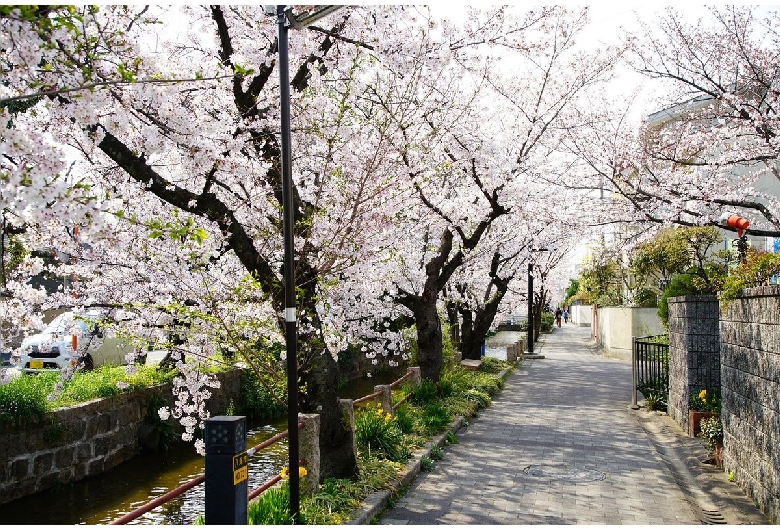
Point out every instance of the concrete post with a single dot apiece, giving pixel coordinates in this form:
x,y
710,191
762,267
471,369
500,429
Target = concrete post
x,y
309,443
511,353
386,399
347,408
415,379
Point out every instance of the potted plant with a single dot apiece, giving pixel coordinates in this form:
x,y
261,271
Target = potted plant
x,y
702,405
712,431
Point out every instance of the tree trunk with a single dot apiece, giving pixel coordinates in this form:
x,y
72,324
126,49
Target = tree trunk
x,y
319,376
429,338
477,322
471,347
337,454
454,322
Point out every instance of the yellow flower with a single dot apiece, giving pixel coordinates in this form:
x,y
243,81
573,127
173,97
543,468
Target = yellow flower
x,y
703,395
388,417
285,472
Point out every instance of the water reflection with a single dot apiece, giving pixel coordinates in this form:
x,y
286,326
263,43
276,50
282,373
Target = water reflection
x,y
105,498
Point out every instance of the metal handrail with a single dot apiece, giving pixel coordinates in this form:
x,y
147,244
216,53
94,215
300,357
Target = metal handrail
x,y
138,512
644,368
394,384
269,483
368,397
402,400
159,501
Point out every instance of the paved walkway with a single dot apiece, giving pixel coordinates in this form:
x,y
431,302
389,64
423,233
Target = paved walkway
x,y
561,445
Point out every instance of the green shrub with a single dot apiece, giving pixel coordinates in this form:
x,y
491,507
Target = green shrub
x,y
645,297
437,453
404,418
272,507
426,464
377,433
425,393
445,388
257,401
548,319
435,417
712,430
102,383
680,285
491,365
25,397
705,402
481,399
758,269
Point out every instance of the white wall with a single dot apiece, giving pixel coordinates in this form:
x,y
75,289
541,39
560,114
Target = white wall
x,y
617,325
581,314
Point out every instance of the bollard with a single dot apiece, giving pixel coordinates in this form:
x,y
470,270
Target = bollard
x,y
226,470
347,408
386,399
309,442
511,354
415,379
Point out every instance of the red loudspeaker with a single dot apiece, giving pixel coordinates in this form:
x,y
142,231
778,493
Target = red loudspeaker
x,y
740,223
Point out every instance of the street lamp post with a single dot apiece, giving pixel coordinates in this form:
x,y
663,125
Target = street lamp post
x,y
285,18
288,220
530,319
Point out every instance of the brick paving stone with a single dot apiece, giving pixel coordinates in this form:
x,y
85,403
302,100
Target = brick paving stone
x,y
559,445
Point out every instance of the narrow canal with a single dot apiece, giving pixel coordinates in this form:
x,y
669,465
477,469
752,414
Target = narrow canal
x,y
105,498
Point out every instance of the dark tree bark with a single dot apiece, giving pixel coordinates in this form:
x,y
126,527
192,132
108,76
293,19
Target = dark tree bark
x,y
438,272
477,320
430,342
318,371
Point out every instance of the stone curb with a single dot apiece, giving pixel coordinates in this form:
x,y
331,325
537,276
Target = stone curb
x,y
377,501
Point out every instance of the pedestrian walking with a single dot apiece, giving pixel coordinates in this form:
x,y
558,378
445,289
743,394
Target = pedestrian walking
x,y
558,314
565,316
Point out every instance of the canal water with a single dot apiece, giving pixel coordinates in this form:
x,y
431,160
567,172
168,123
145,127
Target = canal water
x,y
496,345
104,498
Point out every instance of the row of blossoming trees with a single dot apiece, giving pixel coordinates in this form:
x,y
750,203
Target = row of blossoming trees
x,y
430,159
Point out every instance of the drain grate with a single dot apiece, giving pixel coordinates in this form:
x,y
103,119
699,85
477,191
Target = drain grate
x,y
712,517
573,475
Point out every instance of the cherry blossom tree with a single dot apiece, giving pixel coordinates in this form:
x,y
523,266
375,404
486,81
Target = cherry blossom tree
x,y
414,149
472,184
711,146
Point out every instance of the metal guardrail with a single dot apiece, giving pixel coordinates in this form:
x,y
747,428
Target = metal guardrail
x,y
394,384
138,512
650,368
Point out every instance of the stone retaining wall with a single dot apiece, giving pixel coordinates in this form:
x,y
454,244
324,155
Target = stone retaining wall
x,y
694,351
750,374
77,442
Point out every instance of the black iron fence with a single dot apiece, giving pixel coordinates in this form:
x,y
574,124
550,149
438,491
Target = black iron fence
x,y
650,360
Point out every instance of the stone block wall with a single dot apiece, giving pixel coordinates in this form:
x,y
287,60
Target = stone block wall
x,y
77,442
694,351
750,373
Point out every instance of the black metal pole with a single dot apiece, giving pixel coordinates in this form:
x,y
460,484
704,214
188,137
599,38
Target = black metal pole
x,y
530,308
290,316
